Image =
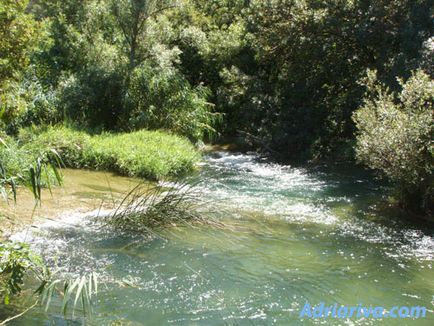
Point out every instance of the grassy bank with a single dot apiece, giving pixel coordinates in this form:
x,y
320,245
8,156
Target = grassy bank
x,y
146,154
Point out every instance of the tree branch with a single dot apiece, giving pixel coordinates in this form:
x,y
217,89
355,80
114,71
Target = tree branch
x,y
155,13
19,315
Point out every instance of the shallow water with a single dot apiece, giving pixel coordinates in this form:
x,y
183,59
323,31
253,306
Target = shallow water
x,y
293,236
82,191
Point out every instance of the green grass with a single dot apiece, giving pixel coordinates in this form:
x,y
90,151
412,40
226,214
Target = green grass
x,y
19,166
145,154
68,143
12,158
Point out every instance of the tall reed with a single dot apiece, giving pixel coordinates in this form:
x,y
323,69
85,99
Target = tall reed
x,y
147,208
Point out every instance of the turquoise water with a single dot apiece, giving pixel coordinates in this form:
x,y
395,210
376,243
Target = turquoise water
x,y
291,236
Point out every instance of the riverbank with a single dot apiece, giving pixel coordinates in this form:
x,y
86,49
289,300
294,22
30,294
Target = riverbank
x,y
32,160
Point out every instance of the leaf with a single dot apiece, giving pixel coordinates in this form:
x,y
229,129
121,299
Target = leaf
x,y
79,292
67,295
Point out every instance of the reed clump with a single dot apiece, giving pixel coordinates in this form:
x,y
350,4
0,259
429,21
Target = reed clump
x,y
145,209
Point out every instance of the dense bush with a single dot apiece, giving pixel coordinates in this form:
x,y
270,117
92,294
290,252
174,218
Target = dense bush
x,y
93,97
395,137
27,103
18,33
310,56
151,96
13,160
161,98
147,154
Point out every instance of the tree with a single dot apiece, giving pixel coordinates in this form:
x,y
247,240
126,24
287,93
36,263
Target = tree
x,y
310,56
131,17
395,137
18,35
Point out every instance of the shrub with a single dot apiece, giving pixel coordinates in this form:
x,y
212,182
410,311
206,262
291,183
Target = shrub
x,y
161,98
395,137
41,104
93,97
26,103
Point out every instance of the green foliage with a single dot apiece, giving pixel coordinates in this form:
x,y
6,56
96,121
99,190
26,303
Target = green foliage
x,y
19,166
156,96
18,35
23,99
145,209
132,17
18,32
29,102
395,137
282,74
309,56
93,97
67,142
19,264
284,71
85,68
16,262
163,99
41,104
147,154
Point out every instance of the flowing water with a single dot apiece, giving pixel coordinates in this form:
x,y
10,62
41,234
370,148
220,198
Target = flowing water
x,y
292,236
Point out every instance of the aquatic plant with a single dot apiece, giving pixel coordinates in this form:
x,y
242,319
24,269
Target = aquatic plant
x,y
147,209
75,291
18,263
15,261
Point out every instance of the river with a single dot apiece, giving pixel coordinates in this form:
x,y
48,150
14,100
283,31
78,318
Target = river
x,y
292,236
